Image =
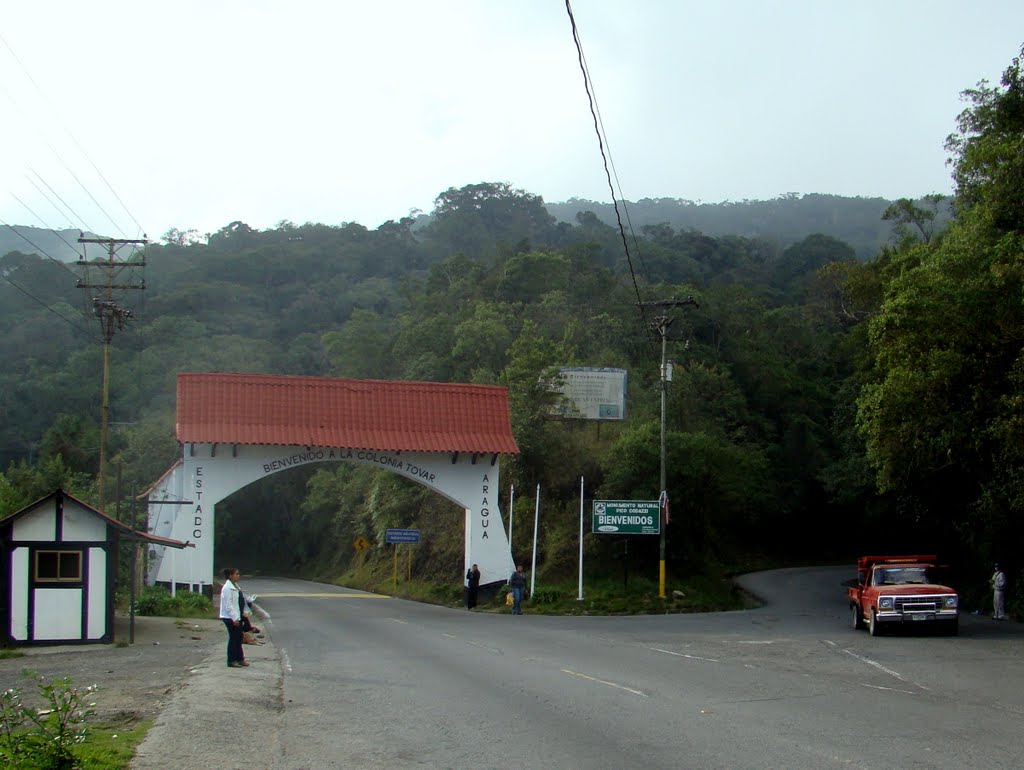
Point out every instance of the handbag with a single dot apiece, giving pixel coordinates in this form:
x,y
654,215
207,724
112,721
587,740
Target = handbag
x,y
509,599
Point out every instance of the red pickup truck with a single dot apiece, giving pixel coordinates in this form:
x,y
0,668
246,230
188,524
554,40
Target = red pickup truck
x,y
901,589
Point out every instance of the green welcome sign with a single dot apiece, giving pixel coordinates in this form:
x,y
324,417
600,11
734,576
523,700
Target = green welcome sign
x,y
626,517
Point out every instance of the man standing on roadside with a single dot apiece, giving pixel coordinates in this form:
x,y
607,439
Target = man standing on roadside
x,y
518,583
472,586
231,613
998,581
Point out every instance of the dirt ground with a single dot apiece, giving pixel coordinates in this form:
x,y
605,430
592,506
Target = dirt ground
x,y
134,682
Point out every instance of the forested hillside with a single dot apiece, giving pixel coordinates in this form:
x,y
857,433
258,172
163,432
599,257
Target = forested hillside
x,y
820,404
784,220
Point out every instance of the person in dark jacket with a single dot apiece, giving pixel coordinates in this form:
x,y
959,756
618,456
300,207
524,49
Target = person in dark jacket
x,y
518,583
472,586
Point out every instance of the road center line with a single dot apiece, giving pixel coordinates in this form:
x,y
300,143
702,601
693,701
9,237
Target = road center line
x,y
684,655
325,596
602,681
889,689
870,662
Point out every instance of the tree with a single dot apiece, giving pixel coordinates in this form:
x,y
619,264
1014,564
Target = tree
x,y
73,440
940,415
361,348
479,218
906,213
988,149
796,268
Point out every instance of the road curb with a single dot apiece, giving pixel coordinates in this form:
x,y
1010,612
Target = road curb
x,y
221,717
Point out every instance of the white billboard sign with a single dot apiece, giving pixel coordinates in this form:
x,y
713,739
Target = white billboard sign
x,y
592,393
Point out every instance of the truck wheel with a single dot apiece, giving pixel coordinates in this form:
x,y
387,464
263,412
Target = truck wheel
x,y
858,617
873,628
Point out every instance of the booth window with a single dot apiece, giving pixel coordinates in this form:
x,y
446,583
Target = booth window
x,y
59,566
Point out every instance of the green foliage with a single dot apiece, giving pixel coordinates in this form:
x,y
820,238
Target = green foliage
x,y
989,150
783,220
914,221
45,737
112,745
361,348
24,483
157,600
939,406
813,391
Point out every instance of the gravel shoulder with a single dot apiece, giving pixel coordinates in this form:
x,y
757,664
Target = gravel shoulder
x,y
135,682
176,674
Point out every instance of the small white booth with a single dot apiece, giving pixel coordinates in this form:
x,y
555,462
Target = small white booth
x,y
58,572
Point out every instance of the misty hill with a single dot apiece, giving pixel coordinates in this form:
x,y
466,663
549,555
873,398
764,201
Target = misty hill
x,y
61,245
785,220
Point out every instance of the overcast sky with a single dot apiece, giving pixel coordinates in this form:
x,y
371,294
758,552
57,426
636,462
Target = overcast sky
x,y
135,117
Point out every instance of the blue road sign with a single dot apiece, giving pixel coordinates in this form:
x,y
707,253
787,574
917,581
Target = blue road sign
x,y
401,536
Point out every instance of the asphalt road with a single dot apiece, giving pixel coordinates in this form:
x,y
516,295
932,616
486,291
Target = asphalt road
x,y
371,682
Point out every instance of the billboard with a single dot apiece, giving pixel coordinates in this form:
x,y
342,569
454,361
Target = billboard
x,y
590,393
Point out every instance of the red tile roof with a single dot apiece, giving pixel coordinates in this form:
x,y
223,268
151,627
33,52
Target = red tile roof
x,y
352,414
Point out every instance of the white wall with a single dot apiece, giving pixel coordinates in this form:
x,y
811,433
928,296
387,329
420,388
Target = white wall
x,y
19,593
40,524
96,623
80,524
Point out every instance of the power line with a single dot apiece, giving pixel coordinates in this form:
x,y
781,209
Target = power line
x,y
77,144
81,222
36,299
28,240
604,157
611,159
55,232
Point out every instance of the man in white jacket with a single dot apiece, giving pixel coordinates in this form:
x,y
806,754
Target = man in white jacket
x,y
231,613
998,581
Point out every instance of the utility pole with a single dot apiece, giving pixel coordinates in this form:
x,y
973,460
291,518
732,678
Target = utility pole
x,y
112,318
660,324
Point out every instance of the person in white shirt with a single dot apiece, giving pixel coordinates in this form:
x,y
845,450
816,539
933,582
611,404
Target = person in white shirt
x,y
998,581
231,613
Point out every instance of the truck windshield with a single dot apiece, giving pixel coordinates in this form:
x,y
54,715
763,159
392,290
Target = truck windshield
x,y
897,576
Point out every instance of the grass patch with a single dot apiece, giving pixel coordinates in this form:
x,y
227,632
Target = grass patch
x,y
52,728
698,593
111,745
6,654
602,596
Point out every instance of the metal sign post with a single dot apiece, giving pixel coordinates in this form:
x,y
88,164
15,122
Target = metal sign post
x,y
396,536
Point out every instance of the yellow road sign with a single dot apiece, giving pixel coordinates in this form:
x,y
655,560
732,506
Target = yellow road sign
x,y
360,544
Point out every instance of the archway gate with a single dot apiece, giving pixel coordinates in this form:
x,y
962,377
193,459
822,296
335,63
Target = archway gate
x,y
235,429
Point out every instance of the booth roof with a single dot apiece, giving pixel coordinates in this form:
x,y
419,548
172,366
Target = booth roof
x,y
124,531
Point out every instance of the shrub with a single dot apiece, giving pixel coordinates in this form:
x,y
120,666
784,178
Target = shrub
x,y
44,738
545,596
157,600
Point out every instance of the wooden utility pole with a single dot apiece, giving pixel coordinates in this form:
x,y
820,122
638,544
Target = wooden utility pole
x,y
660,324
112,318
